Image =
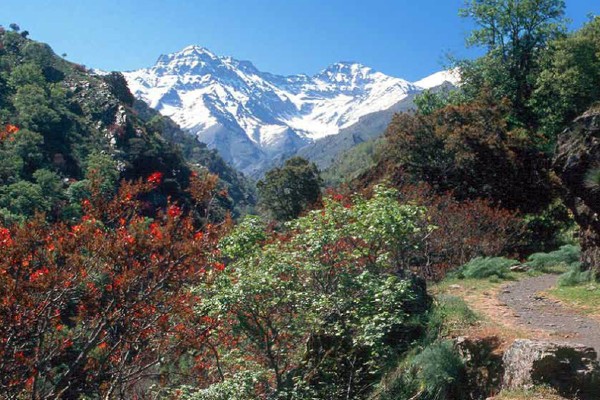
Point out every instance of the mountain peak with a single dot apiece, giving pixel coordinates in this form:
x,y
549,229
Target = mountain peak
x,y
345,72
251,116
195,50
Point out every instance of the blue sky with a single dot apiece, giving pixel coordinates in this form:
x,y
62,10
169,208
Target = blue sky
x,y
403,38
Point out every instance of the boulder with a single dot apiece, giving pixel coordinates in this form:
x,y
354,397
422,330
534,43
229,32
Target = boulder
x,y
571,369
577,153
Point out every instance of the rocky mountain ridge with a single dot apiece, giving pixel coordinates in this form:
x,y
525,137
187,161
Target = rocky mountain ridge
x,y
254,118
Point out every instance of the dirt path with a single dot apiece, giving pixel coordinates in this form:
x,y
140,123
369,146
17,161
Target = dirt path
x,y
534,311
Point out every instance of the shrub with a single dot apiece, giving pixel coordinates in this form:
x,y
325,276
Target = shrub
x,y
240,386
575,276
88,309
439,371
326,305
487,267
463,230
436,373
566,256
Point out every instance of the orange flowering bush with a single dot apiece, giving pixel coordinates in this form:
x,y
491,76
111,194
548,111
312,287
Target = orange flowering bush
x,y
8,131
99,307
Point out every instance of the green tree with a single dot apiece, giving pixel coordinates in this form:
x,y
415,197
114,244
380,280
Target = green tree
x,y
104,167
288,191
34,108
569,81
28,146
320,310
515,33
21,200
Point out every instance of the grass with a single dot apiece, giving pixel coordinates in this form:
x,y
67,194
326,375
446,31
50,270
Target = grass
x,y
451,316
557,261
536,393
487,267
583,298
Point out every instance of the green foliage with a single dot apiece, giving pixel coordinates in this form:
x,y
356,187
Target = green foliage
x,y
430,101
575,276
29,147
487,267
238,387
326,306
547,229
435,373
34,107
67,122
20,200
569,81
245,239
514,33
450,315
288,191
439,371
567,256
26,74
103,167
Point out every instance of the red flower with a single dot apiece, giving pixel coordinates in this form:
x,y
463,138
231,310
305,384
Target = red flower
x,y
8,131
155,231
38,274
155,178
219,266
174,211
198,236
5,238
11,129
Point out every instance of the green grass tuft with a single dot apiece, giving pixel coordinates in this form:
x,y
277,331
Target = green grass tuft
x,y
575,276
487,267
558,260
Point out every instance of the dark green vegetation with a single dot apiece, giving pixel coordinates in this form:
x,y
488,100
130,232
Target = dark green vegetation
x,y
288,191
72,124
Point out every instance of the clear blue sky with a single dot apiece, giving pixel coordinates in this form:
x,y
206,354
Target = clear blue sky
x,y
404,38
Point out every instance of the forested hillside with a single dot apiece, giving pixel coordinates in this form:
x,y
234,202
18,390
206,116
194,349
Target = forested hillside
x,y
62,124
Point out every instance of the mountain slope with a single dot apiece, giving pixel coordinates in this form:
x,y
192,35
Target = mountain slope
x,y
67,123
253,117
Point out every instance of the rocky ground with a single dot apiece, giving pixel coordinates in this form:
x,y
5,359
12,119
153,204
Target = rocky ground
x,y
534,310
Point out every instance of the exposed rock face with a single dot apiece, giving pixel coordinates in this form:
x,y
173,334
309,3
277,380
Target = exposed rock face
x,y
578,152
571,369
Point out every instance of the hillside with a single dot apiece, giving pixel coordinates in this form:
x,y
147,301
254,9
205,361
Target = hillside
x,y
71,123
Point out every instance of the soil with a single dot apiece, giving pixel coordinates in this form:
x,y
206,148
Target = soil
x,y
534,311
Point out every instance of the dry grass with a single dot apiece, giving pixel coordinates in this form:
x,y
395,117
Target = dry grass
x,y
538,393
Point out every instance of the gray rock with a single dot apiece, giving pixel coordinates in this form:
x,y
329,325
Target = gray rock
x,y
571,369
519,268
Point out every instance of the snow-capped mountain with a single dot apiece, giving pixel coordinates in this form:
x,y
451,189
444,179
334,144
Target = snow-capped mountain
x,y
252,117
